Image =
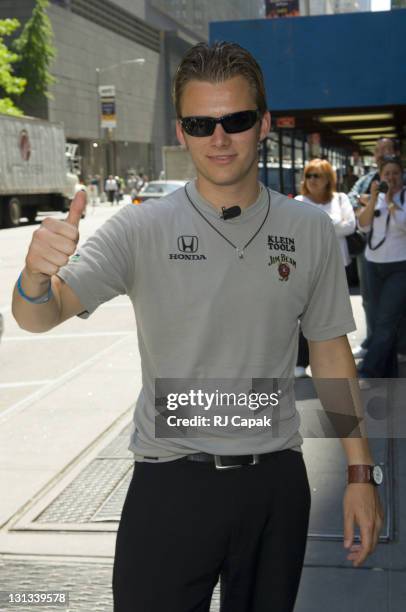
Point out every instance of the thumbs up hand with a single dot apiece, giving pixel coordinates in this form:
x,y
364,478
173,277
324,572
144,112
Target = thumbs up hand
x,y
54,242
77,208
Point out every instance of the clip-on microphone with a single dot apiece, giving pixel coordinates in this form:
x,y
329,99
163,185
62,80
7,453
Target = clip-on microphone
x,y
230,213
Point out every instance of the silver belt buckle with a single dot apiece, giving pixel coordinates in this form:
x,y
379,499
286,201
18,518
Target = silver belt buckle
x,y
255,460
220,466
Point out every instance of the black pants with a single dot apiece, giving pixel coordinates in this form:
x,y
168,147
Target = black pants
x,y
303,358
184,524
363,287
112,196
387,299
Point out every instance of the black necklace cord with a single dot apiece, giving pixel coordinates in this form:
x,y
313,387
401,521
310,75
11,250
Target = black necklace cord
x,y
239,251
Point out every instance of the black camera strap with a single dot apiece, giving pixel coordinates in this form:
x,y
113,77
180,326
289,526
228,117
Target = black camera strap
x,y
371,233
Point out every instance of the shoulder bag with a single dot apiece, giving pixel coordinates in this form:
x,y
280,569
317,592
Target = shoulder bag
x,y
356,242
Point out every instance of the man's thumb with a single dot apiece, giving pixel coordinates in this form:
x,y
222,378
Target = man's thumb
x,y
77,208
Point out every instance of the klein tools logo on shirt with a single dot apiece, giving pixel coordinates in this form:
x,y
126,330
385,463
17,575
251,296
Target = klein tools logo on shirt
x,y
281,243
188,247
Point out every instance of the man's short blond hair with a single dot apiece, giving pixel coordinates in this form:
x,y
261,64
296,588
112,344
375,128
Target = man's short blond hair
x,y
215,64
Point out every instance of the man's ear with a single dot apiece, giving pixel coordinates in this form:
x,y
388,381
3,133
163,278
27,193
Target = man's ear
x,y
179,134
265,126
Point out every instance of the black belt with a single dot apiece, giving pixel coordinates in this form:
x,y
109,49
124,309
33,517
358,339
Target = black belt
x,y
226,462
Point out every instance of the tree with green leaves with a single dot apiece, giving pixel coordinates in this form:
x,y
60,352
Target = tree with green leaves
x,y
37,51
9,83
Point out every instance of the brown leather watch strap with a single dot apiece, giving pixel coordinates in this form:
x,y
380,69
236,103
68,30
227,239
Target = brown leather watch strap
x,y
360,474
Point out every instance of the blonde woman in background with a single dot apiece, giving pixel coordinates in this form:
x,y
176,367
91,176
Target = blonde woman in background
x,y
319,188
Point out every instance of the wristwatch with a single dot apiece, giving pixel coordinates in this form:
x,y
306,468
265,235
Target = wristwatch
x,y
370,474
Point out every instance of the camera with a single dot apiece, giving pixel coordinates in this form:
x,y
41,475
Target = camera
x,y
383,187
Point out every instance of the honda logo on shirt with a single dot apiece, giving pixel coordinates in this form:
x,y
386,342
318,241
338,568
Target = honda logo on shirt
x,y
188,244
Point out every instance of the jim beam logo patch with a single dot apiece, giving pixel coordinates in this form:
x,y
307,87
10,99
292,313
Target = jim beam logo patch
x,y
284,265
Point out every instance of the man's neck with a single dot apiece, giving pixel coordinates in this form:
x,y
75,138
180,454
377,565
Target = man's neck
x,y
229,195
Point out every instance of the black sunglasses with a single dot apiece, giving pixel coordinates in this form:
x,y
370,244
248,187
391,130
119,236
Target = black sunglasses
x,y
232,124
312,175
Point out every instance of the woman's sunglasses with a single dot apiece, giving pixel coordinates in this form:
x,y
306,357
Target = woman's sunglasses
x,y
310,175
232,124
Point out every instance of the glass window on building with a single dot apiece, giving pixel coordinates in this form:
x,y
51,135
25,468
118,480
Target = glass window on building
x,y
64,3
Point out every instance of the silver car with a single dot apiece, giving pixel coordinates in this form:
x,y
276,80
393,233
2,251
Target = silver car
x,y
157,189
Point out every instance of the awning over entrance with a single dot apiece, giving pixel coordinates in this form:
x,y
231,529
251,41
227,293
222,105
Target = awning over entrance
x,y
341,76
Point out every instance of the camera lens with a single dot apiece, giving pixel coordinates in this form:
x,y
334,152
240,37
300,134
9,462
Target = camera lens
x,y
383,187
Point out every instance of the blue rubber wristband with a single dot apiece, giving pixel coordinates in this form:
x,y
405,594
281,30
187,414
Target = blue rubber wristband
x,y
42,299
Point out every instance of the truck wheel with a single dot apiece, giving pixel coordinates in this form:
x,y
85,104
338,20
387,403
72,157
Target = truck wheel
x,y
12,213
31,214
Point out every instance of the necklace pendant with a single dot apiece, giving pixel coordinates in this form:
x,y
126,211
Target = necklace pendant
x,y
240,253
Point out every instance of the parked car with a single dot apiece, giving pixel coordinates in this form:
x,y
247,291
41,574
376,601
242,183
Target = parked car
x,y
157,189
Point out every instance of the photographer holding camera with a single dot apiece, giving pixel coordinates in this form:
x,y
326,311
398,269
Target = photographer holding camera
x,y
359,197
384,220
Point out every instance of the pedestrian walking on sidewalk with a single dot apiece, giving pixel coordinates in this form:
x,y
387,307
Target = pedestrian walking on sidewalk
x,y
111,188
219,273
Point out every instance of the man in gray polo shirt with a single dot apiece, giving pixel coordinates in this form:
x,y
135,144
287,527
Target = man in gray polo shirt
x,y
219,274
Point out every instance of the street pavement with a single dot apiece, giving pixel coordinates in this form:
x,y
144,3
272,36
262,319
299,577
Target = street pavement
x,y
66,403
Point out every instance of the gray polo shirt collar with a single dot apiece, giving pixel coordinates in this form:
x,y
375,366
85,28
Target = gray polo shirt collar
x,y
212,213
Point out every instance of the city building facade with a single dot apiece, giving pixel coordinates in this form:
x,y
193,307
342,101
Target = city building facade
x,y
134,46
197,13
331,7
97,43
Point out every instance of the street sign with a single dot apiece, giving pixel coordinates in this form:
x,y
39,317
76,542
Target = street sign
x,y
281,8
285,122
107,91
107,94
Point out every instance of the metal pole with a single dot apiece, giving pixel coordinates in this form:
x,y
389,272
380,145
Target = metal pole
x,y
103,143
98,115
265,162
293,163
280,144
110,149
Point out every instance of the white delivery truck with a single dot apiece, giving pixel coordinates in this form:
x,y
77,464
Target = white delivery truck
x,y
36,169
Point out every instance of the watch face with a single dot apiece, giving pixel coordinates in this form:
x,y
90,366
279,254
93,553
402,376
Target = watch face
x,y
377,474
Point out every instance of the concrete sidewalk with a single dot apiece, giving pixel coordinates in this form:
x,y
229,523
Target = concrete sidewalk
x,y
64,476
